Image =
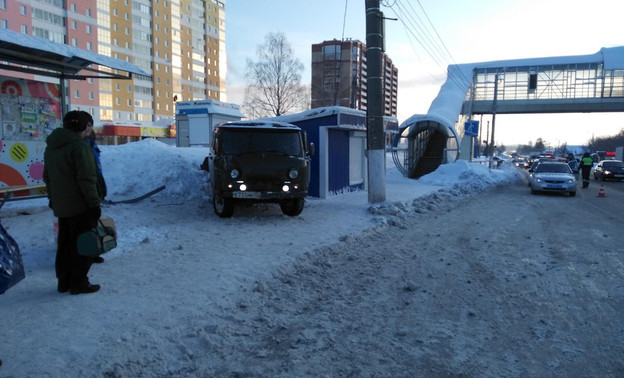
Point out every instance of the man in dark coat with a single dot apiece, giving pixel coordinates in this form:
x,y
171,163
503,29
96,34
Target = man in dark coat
x,y
70,175
586,165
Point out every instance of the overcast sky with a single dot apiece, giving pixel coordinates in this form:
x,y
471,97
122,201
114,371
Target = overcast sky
x,y
464,31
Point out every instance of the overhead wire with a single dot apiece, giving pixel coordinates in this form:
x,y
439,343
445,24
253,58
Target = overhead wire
x,y
342,38
426,35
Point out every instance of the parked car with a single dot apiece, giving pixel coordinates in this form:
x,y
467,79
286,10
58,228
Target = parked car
x,y
609,169
553,177
534,165
255,161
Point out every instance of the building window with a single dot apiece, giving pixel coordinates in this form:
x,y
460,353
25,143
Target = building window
x,y
88,12
72,7
4,24
24,29
2,4
74,42
23,10
89,46
88,29
91,96
74,25
76,93
115,12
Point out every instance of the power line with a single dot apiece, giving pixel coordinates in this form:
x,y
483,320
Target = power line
x,y
426,35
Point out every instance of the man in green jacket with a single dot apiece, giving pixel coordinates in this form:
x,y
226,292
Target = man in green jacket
x,y
70,175
586,165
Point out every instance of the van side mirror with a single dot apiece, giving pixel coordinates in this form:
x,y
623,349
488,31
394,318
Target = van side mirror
x,y
311,149
205,165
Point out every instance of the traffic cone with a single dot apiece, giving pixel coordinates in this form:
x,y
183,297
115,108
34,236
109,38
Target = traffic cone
x,y
601,193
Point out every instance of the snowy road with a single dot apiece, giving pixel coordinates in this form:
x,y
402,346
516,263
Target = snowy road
x,y
497,284
505,285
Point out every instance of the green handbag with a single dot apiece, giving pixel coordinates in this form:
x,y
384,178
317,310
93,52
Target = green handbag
x,y
98,240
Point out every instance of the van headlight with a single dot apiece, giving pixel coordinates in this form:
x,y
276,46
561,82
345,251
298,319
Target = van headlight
x,y
234,173
293,173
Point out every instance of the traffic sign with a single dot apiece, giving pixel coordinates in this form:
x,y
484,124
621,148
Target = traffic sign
x,y
471,128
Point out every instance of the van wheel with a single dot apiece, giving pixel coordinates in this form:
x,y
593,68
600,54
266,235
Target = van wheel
x,y
292,207
223,207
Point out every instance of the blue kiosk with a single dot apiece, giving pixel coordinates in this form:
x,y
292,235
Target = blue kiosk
x,y
339,134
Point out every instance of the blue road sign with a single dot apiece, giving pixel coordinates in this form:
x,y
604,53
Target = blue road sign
x,y
471,128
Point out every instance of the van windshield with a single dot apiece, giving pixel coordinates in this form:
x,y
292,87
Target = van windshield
x,y
261,141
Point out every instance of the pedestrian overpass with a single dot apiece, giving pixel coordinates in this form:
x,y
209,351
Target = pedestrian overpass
x,y
568,84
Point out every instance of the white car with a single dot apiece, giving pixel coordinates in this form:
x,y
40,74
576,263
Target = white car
x,y
553,177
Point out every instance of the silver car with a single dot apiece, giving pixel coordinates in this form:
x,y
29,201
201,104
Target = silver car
x,y
553,177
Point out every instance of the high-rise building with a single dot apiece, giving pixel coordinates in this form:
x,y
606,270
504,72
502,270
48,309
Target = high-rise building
x,y
180,44
339,73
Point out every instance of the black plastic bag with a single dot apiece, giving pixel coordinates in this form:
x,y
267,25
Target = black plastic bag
x,y
11,265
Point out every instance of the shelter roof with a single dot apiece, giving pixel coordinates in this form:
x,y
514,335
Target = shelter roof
x,y
25,53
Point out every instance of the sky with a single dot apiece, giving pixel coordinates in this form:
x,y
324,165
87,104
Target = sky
x,y
181,277
455,32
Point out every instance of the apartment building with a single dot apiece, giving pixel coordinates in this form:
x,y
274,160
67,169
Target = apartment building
x,y
339,73
180,44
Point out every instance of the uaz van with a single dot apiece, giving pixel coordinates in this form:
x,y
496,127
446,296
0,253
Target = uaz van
x,y
256,161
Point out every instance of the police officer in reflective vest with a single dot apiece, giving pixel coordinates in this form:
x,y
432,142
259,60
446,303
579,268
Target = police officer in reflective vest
x,y
586,165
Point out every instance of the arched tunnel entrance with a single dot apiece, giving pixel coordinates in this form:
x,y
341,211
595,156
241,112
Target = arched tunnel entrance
x,y
421,146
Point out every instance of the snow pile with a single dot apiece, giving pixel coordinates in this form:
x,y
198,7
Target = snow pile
x,y
458,180
136,168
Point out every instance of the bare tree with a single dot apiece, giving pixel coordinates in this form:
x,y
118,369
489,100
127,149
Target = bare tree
x,y
274,80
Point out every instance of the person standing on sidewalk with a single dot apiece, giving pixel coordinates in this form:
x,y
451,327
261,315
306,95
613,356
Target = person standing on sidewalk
x,y
100,183
70,175
586,165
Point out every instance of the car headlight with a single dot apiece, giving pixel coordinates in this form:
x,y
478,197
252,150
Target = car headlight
x,y
537,179
293,173
607,172
234,173
571,181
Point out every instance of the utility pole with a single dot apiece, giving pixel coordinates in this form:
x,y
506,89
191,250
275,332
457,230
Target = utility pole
x,y
494,104
375,142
